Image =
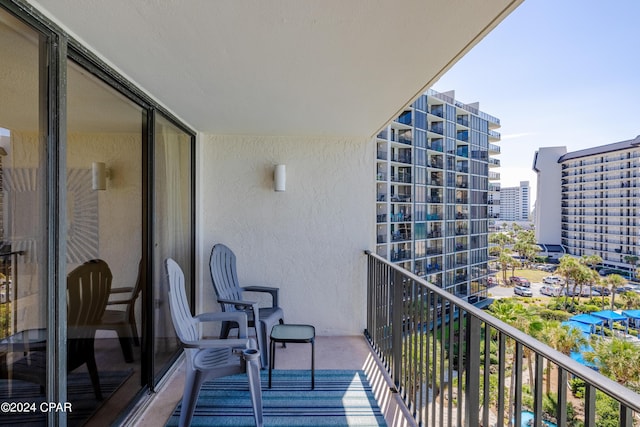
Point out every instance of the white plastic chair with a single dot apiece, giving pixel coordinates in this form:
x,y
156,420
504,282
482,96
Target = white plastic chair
x,y
210,358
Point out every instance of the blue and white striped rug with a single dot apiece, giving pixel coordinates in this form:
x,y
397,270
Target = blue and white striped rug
x,y
340,398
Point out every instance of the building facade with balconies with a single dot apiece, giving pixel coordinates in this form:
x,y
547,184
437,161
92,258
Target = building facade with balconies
x,y
599,191
432,178
515,202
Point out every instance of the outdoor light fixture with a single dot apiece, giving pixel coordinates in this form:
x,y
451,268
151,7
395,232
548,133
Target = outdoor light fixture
x,y
280,178
99,175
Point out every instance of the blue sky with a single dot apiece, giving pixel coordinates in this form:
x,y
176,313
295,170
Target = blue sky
x,y
556,73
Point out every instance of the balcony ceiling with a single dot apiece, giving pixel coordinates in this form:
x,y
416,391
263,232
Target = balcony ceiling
x,y
281,67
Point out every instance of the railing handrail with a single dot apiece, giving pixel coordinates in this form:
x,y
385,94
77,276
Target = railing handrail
x,y
596,379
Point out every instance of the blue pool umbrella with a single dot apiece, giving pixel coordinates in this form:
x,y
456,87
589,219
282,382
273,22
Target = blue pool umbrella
x,y
582,327
611,317
633,314
588,319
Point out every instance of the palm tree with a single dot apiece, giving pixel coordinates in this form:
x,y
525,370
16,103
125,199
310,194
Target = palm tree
x,y
574,270
619,360
549,335
633,261
614,281
508,312
505,261
631,300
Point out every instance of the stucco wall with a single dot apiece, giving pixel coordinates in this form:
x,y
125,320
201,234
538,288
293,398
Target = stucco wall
x,y
548,224
309,240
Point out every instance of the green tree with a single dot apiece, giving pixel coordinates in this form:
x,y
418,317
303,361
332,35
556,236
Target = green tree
x,y
614,281
618,359
568,266
576,272
525,246
633,261
631,300
506,262
502,240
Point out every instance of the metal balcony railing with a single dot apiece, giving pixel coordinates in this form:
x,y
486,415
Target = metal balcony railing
x,y
450,361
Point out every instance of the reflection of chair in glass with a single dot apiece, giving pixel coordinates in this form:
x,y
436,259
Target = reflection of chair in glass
x,y
87,293
123,321
207,359
222,266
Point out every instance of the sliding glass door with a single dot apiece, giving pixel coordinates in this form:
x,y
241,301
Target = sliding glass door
x,y
96,177
173,225
23,189
104,221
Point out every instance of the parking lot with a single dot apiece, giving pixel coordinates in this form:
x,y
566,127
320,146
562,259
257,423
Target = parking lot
x,y
507,291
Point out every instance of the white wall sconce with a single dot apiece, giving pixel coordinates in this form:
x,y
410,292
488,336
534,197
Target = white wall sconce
x,y
280,178
99,175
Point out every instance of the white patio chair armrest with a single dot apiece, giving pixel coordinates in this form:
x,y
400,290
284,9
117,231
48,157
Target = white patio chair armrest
x,y
217,343
239,317
240,304
265,289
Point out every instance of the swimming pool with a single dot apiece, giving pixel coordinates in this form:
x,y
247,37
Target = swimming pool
x,y
527,420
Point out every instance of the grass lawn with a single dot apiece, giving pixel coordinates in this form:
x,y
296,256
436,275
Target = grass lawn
x,y
531,275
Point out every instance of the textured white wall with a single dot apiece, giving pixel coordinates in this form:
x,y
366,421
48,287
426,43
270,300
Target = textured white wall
x,y
549,195
309,240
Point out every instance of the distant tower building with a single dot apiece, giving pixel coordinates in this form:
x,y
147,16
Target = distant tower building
x,y
515,202
587,201
432,189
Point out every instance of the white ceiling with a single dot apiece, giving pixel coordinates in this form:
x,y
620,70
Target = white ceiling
x,y
281,67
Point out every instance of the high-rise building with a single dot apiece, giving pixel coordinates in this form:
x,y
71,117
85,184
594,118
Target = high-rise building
x,y
515,202
587,200
432,189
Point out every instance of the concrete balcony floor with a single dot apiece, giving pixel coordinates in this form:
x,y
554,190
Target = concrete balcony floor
x,y
343,352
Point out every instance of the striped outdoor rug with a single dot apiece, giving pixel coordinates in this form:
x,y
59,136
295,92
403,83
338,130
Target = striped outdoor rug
x,y
340,398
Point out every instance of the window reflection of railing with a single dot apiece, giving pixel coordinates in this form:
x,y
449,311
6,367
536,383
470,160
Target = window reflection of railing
x,y
8,292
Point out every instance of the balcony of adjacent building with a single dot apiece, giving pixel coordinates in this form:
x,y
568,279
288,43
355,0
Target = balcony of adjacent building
x,y
405,118
436,110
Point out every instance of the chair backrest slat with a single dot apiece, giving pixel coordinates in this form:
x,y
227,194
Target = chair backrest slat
x,y
224,276
184,323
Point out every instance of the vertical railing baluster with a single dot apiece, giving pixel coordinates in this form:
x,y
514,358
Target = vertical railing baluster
x,y
589,405
396,327
427,356
443,323
517,401
421,378
472,371
626,416
452,331
562,397
461,355
434,357
502,354
537,399
486,375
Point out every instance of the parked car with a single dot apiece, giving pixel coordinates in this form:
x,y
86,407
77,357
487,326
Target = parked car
x,y
522,291
602,290
551,291
553,280
588,291
623,289
519,281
